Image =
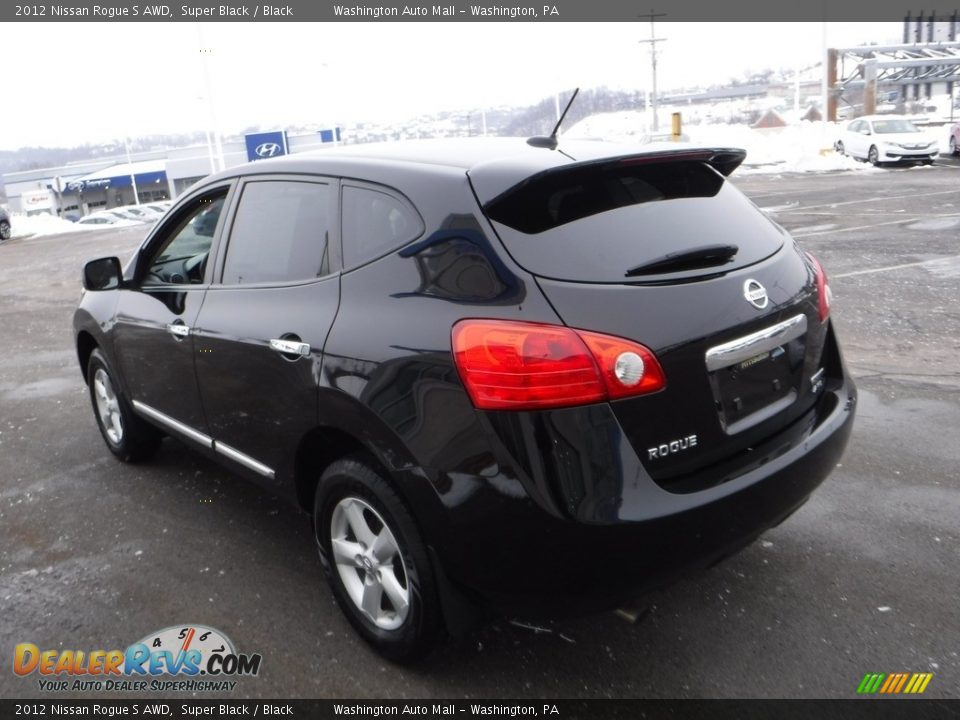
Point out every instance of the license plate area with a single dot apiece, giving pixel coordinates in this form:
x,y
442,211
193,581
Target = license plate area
x,y
757,376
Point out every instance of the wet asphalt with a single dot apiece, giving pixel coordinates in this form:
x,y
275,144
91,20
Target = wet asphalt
x,y
864,578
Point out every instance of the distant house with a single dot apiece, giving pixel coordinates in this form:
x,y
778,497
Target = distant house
x,y
770,119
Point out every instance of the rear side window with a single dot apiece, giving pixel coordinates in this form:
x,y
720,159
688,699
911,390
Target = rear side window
x,y
594,223
374,223
281,233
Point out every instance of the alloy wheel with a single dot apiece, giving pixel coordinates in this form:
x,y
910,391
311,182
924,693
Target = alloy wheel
x,y
369,562
108,406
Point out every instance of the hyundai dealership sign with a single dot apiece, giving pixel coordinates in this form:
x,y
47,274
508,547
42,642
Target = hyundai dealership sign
x,y
261,146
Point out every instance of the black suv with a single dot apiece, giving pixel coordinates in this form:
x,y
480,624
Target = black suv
x,y
499,376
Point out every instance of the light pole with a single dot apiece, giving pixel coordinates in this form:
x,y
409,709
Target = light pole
x,y
133,175
653,62
208,88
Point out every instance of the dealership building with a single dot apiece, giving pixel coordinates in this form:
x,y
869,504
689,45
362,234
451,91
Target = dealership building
x,y
81,188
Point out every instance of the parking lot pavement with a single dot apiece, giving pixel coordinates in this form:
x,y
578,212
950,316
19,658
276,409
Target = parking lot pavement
x,y
95,555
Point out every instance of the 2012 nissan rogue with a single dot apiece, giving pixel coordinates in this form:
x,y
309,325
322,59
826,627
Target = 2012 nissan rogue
x,y
498,375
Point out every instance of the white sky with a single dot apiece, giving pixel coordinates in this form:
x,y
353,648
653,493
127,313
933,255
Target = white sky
x,y
70,83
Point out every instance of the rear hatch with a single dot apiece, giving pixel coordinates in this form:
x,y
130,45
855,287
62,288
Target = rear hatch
x,y
663,250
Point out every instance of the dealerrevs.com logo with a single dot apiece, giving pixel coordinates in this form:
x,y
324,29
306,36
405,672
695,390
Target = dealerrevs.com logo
x,y
186,658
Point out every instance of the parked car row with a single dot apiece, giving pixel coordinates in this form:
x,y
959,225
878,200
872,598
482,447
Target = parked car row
x,y
127,214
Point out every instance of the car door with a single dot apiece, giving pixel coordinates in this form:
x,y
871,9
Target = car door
x,y
264,322
865,135
155,316
853,139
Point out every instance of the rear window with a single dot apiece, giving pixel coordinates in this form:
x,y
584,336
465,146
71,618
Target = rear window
x,y
595,223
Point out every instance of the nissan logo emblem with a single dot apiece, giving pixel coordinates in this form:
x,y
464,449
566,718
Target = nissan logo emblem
x,y
267,150
755,294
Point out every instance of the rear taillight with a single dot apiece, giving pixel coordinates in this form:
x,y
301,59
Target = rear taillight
x,y
823,289
510,365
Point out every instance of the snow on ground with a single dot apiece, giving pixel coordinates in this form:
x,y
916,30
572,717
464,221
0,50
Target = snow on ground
x,y
801,147
43,224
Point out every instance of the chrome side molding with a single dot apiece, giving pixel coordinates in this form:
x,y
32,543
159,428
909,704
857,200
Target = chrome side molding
x,y
172,424
205,440
243,459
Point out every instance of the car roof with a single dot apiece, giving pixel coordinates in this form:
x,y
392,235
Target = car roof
x,y
466,153
493,164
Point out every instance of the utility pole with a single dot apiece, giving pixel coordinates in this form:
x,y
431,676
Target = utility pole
x,y
652,16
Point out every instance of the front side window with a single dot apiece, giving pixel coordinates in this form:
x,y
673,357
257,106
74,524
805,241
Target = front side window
x,y
181,258
281,233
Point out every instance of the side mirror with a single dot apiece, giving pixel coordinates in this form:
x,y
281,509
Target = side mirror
x,y
102,274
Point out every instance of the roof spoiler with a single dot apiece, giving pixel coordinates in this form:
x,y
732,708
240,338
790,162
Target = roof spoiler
x,y
723,160
489,179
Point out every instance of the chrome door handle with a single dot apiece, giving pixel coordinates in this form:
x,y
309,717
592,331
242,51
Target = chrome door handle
x,y
178,329
290,347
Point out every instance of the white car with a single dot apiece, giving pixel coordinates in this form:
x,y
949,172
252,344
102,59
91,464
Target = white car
x,y
106,218
142,213
886,138
160,208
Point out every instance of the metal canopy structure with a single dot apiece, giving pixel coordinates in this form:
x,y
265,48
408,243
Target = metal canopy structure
x,y
867,67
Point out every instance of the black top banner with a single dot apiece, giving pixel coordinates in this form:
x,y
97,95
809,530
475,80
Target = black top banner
x,y
465,11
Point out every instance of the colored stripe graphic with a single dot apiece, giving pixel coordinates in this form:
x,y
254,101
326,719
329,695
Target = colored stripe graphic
x,y
899,687
894,683
891,682
918,683
870,683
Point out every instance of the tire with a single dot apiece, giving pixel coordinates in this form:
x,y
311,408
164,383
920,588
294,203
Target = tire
x,y
873,157
954,150
127,436
5,230
840,148
391,600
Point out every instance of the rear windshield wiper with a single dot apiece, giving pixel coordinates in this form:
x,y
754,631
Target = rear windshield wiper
x,y
705,256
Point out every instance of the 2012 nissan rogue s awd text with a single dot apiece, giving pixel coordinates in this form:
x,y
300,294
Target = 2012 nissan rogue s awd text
x,y
499,376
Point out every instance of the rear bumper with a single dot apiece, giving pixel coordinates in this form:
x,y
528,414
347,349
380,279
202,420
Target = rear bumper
x,y
511,547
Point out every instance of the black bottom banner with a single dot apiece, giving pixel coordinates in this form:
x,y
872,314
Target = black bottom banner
x,y
872,709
